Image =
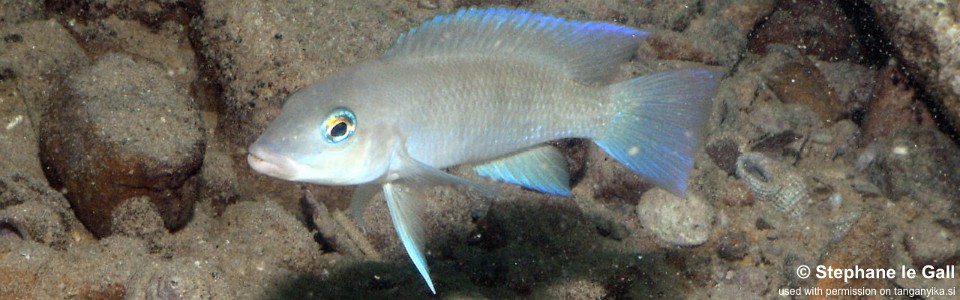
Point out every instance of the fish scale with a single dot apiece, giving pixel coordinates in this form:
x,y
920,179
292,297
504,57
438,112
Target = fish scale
x,y
511,99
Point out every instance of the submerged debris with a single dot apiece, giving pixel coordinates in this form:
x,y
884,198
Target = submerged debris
x,y
774,181
10,225
342,234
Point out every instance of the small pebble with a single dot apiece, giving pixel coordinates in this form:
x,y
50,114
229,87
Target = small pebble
x,y
822,138
733,246
773,234
678,221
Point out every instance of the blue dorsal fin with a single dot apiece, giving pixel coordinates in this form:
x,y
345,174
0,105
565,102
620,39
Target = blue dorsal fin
x,y
542,168
587,51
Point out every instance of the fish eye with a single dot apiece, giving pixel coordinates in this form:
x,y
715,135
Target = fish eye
x,y
339,125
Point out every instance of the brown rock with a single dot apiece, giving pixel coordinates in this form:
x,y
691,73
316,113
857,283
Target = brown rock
x,y
122,129
17,283
674,46
866,245
110,291
929,243
614,181
733,246
920,163
855,84
799,81
895,106
137,217
724,153
219,180
745,14
147,11
815,27
735,194
925,34
577,153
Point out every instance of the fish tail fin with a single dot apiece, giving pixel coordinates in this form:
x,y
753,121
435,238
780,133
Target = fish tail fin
x,y
658,124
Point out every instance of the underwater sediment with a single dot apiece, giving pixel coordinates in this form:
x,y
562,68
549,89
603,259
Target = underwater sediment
x,y
831,143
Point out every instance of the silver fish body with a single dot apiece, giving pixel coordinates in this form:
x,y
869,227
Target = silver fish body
x,y
454,110
485,87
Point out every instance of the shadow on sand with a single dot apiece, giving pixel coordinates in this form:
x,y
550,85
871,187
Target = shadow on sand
x,y
520,250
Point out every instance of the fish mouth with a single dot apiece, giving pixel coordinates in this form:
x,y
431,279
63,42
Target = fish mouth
x,y
271,164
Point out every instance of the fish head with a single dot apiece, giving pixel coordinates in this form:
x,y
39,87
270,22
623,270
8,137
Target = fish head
x,y
322,136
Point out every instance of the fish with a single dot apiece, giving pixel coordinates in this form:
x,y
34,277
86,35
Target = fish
x,y
487,87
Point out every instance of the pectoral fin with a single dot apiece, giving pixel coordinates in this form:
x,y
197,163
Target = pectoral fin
x,y
417,173
361,197
542,168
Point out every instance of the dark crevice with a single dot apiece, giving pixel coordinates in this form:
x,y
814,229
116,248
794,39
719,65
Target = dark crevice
x,y
879,49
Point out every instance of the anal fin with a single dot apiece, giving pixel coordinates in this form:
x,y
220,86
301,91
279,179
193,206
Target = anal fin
x,y
542,168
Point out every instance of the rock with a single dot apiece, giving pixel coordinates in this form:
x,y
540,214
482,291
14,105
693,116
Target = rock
x,y
730,291
147,11
166,44
138,218
677,221
742,283
735,194
577,152
261,55
35,55
26,198
273,230
721,38
815,27
13,12
733,246
920,163
122,129
867,246
745,14
43,223
799,81
751,279
854,84
670,45
928,243
895,106
219,180
724,153
17,283
925,34
178,279
614,181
